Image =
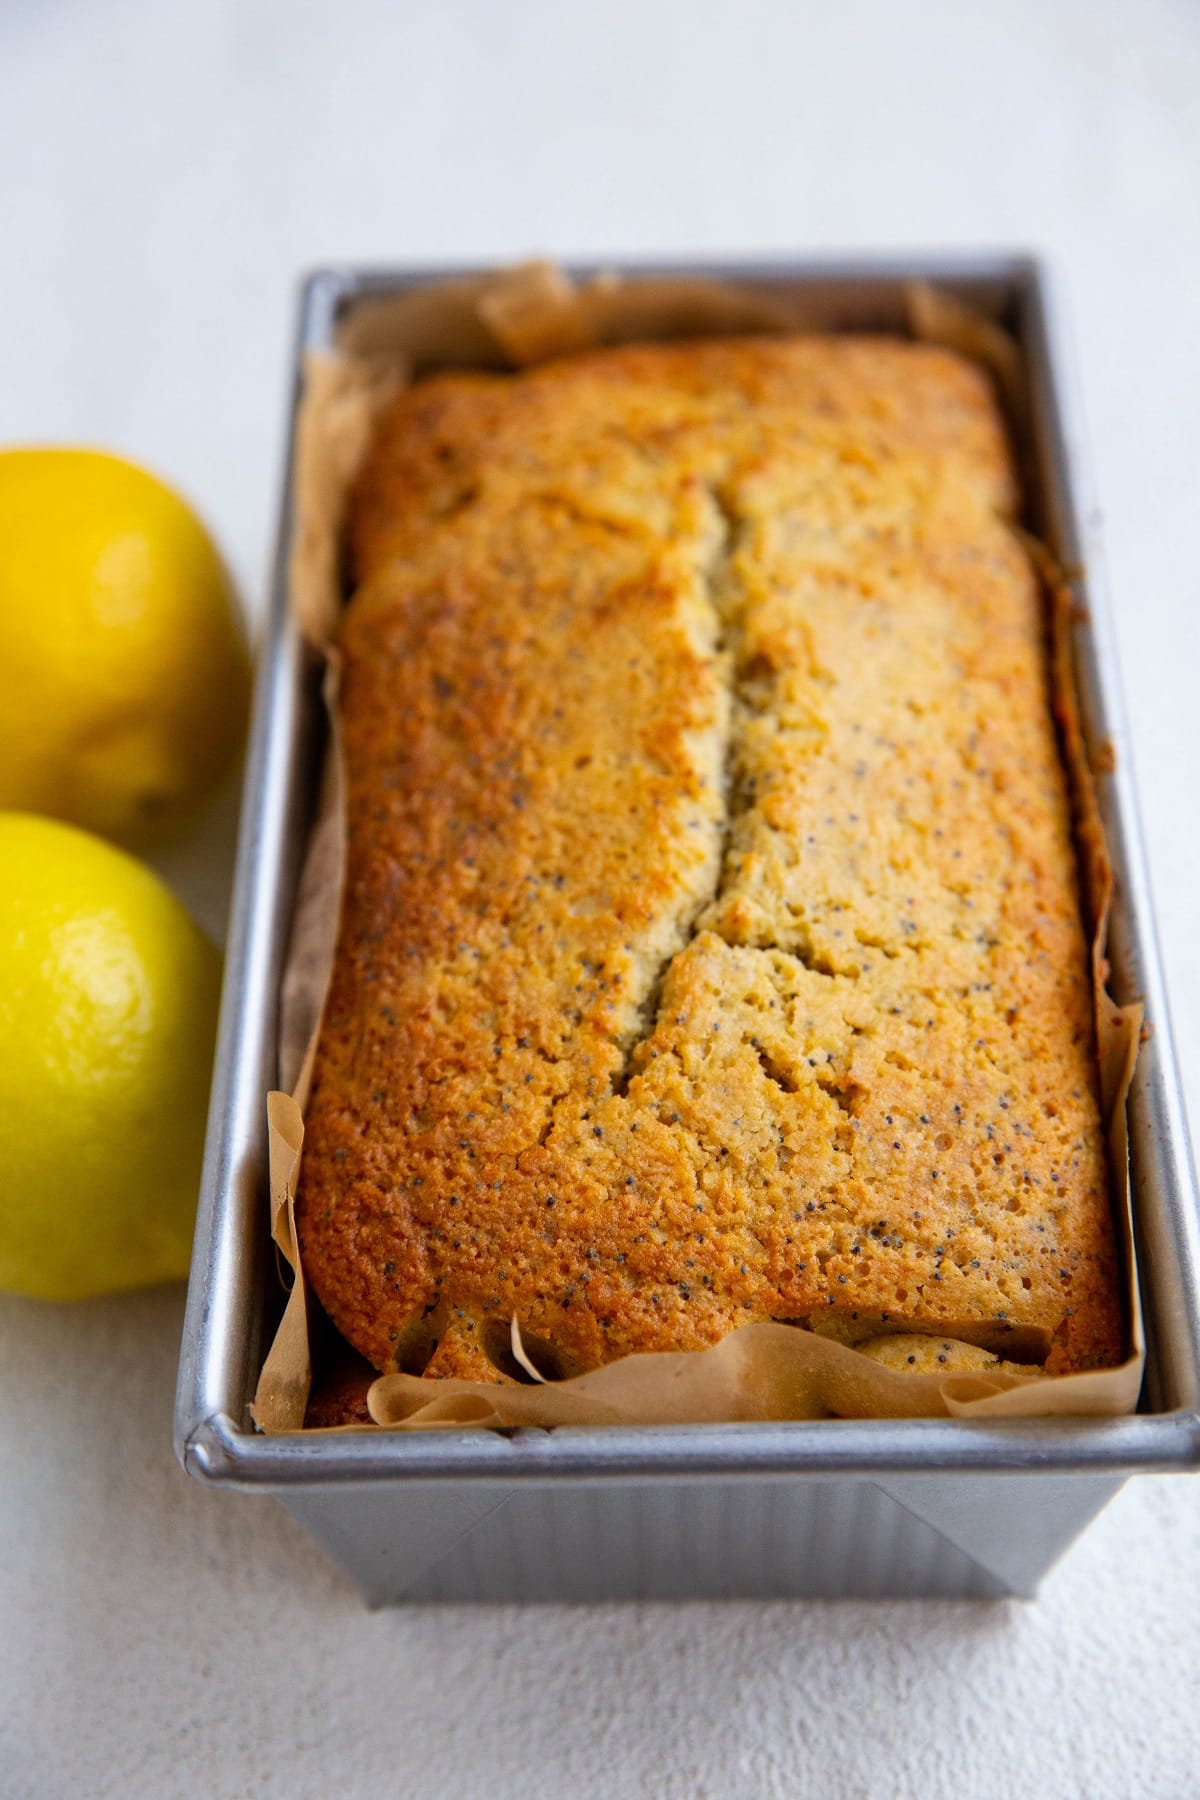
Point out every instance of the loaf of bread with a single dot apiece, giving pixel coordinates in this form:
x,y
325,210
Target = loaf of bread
x,y
711,947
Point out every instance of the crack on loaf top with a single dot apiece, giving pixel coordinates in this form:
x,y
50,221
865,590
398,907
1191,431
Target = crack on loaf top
x,y
715,550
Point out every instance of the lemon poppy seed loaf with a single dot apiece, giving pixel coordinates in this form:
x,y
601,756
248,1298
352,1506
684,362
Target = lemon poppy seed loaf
x,y
711,949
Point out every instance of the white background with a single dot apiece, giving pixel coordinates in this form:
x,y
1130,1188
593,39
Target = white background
x,y
165,169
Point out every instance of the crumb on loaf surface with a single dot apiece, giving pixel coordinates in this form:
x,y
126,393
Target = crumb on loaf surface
x,y
912,1353
711,948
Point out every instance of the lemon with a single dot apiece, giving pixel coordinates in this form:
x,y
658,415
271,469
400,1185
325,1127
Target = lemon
x,y
123,669
108,1006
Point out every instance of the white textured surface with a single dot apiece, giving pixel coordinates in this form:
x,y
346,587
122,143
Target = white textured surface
x,y
163,172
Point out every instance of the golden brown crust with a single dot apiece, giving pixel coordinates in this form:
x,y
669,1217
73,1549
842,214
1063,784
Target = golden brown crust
x,y
711,949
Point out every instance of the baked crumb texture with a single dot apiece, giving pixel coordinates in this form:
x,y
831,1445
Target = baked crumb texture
x,y
711,949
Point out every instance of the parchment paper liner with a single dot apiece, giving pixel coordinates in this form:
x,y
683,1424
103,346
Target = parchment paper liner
x,y
761,1371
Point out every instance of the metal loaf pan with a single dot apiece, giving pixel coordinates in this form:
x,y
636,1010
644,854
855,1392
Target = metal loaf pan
x,y
827,1507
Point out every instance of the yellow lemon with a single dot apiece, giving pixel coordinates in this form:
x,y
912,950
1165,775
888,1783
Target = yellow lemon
x,y
123,669
108,1008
